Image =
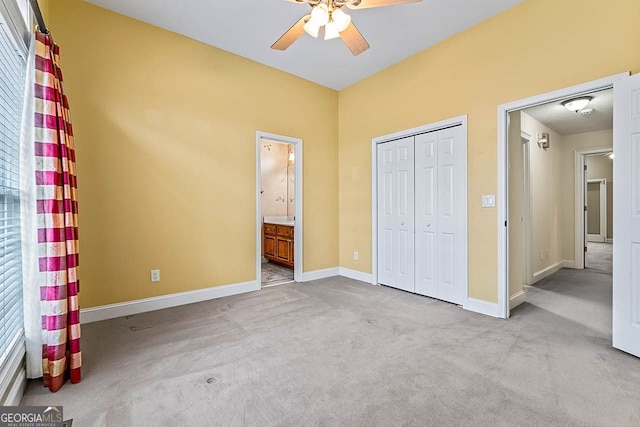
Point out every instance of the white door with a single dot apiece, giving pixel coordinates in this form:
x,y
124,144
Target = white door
x,y
626,215
396,214
452,215
441,254
427,214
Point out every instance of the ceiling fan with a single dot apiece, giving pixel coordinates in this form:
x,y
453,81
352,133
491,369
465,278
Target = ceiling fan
x,y
336,23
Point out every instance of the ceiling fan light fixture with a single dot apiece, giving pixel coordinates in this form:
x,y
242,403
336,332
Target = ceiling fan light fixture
x,y
312,28
331,31
340,19
577,104
320,14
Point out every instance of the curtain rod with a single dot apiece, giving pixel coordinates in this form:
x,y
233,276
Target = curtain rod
x,y
42,27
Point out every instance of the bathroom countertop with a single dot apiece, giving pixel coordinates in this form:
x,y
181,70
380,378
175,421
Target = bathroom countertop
x,y
279,220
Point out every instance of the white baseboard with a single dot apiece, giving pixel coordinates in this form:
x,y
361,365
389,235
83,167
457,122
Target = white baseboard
x,y
111,311
356,275
568,264
308,276
517,299
609,240
546,272
483,307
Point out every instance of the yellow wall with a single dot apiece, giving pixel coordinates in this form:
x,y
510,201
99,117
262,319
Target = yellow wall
x,y
535,47
44,8
165,137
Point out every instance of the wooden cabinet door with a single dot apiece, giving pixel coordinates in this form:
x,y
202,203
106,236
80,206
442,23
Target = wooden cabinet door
x,y
283,249
291,252
270,246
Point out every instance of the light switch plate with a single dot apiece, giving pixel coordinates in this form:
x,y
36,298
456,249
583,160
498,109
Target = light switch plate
x,y
489,201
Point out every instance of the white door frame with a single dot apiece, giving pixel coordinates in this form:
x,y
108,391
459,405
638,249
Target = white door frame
x,y
503,159
580,159
602,207
527,213
432,127
297,231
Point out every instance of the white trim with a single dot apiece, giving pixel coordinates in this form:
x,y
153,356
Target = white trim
x,y
527,211
609,240
548,271
111,311
503,159
483,307
432,127
13,378
297,229
517,299
19,29
17,390
579,202
569,264
308,276
355,275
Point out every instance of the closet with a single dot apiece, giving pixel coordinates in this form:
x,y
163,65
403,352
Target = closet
x,y
422,214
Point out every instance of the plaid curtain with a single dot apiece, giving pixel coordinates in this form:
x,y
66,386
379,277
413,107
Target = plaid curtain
x,y
57,209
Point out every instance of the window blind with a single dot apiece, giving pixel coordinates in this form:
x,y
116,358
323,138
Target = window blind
x,y
12,75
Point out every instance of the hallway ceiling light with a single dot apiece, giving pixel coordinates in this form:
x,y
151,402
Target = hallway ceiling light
x,y
577,104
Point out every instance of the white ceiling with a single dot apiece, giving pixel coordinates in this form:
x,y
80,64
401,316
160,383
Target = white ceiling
x,y
249,27
566,122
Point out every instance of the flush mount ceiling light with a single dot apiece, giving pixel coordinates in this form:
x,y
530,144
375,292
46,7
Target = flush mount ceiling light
x,y
336,23
577,104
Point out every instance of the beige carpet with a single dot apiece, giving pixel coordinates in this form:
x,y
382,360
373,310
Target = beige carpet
x,y
599,256
345,353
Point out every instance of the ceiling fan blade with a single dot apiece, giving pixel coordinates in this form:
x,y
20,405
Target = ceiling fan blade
x,y
354,40
291,35
366,4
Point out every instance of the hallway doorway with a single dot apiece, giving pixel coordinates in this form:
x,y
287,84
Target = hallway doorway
x,y
560,172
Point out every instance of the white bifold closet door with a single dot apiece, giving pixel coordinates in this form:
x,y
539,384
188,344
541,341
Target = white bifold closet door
x,y
395,214
430,211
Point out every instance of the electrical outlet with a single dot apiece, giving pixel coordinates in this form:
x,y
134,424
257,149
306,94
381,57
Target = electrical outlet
x,y
155,275
356,255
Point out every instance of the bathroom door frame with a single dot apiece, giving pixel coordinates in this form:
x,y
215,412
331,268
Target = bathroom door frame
x,y
297,202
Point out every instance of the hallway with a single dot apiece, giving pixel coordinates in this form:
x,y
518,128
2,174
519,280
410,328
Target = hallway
x,y
599,256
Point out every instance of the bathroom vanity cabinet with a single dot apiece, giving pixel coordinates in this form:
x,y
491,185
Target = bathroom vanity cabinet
x,y
278,244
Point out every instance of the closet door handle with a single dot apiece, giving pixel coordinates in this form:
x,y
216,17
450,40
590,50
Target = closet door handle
x,y
402,224
428,225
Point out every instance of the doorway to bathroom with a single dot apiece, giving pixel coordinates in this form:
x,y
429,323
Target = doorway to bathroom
x,y
279,209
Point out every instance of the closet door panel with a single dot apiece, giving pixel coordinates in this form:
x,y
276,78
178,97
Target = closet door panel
x,y
451,282
386,212
426,220
396,214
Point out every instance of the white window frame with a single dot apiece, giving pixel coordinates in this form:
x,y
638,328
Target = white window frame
x,y
12,370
